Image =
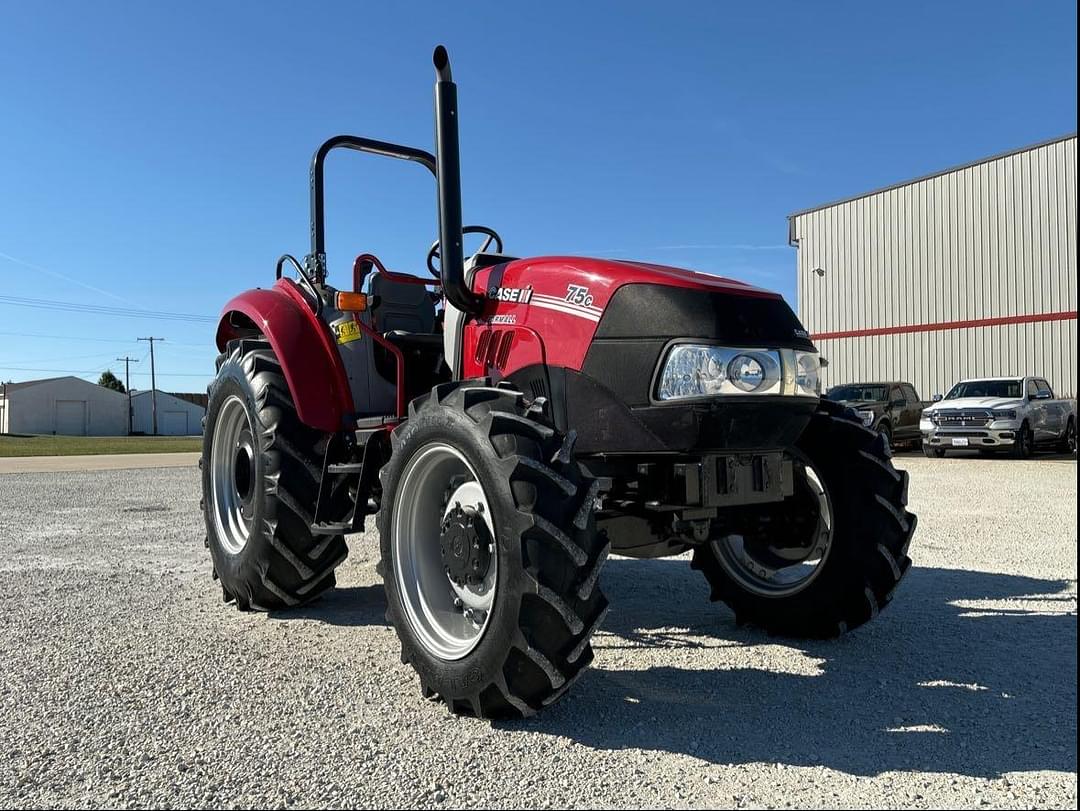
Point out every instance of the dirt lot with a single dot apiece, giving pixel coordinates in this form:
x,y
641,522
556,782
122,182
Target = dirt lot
x,y
126,682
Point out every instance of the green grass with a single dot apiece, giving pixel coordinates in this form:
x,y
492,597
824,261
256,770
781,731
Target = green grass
x,y
83,445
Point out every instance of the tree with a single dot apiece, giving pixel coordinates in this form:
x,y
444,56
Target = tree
x,y
111,381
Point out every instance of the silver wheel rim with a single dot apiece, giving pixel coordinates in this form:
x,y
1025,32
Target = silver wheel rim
x,y
448,619
232,475
804,564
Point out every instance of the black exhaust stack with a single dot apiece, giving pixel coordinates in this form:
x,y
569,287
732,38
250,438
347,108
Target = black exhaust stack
x,y
448,174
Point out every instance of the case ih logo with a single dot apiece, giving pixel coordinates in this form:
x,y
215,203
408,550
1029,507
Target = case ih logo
x,y
518,295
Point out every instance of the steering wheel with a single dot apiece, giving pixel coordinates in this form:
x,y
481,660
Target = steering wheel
x,y
492,236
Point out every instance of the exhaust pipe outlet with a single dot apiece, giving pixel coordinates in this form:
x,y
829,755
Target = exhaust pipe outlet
x,y
448,175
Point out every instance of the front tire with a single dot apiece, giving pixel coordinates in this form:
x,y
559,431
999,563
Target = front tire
x,y
931,452
861,503
506,630
886,432
260,479
1023,447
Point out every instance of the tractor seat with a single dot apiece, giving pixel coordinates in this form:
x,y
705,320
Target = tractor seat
x,y
401,307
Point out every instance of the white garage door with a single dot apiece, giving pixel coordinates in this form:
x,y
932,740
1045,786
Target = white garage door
x,y
71,417
175,423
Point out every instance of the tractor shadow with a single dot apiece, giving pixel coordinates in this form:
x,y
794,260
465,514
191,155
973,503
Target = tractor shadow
x,y
967,672
347,606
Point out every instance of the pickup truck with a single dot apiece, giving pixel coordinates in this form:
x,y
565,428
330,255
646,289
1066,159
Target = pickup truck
x,y
891,408
1014,414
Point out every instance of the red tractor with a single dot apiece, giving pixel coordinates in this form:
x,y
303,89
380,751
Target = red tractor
x,y
511,422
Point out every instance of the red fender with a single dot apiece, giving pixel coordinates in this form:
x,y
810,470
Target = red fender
x,y
304,346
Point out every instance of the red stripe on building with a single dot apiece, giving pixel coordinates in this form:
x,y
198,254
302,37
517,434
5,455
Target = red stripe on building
x,y
947,325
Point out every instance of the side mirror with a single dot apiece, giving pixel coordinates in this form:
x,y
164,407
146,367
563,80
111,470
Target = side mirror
x,y
898,403
937,398
1041,395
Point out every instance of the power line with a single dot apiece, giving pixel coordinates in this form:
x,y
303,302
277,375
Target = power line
x,y
82,338
59,360
100,309
96,371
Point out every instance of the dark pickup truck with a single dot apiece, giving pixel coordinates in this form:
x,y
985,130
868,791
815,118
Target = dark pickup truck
x,y
892,408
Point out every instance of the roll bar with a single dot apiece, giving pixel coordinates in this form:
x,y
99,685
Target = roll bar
x,y
445,165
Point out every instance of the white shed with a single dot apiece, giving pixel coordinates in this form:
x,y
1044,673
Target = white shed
x,y
69,406
175,416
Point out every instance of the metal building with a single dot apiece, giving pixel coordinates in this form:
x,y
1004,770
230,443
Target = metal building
x,y
176,416
967,272
62,405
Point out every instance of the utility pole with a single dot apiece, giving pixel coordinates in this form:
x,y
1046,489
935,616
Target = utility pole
x,y
153,379
127,384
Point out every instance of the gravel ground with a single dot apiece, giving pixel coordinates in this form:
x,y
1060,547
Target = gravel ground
x,y
125,682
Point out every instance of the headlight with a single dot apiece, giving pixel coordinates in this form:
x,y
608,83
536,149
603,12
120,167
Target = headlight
x,y
1003,414
698,370
694,370
867,417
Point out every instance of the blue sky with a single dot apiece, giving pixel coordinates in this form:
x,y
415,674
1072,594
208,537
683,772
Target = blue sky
x,y
155,155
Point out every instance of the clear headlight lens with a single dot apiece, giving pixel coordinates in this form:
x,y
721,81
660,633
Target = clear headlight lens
x,y
697,370
807,374
746,372
692,371
867,417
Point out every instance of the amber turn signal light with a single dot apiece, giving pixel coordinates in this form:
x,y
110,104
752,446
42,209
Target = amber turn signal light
x,y
352,302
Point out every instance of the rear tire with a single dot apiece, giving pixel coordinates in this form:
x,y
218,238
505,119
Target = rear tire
x,y
1068,441
870,534
547,554
260,478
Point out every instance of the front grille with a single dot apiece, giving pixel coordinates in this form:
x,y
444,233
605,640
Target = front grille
x,y
965,433
964,418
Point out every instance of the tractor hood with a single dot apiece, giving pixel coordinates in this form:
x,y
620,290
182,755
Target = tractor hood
x,y
572,300
609,274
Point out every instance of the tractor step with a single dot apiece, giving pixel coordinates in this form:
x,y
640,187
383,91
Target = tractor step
x,y
366,429
345,467
332,528
378,421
